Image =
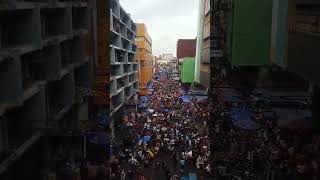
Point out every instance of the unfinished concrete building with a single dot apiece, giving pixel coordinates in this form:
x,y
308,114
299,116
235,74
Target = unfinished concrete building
x,y
45,58
123,66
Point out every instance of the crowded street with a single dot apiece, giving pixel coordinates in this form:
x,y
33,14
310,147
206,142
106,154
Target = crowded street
x,y
169,138
160,90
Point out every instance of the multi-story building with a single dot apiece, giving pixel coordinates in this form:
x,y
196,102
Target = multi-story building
x,y
202,64
295,44
222,44
264,52
145,57
123,65
46,61
186,48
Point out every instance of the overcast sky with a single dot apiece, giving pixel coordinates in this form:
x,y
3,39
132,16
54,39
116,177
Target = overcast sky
x,y
166,21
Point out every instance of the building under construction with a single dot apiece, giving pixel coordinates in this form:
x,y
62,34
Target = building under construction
x,y
123,65
46,61
62,80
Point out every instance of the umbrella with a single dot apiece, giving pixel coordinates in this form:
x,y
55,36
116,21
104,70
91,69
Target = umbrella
x,y
143,98
150,153
146,139
185,99
150,111
142,106
166,110
154,115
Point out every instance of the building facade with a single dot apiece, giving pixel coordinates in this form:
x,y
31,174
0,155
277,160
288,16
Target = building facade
x,y
186,48
202,63
123,82
295,44
46,64
144,43
275,50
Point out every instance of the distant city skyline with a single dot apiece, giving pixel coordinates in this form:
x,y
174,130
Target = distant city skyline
x,y
166,21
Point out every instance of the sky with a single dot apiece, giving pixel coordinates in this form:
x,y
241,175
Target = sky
x,y
166,21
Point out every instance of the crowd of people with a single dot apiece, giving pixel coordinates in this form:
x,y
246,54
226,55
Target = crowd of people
x,y
269,152
172,137
169,133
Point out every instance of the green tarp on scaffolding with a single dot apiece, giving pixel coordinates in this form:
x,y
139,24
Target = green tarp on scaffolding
x,y
187,70
251,33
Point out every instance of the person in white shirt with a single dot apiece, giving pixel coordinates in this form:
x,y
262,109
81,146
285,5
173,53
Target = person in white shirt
x,y
123,175
198,162
208,169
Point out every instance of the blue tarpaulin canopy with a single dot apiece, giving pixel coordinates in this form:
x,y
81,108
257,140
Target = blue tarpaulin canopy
x,y
142,106
165,110
185,99
238,114
143,98
242,118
